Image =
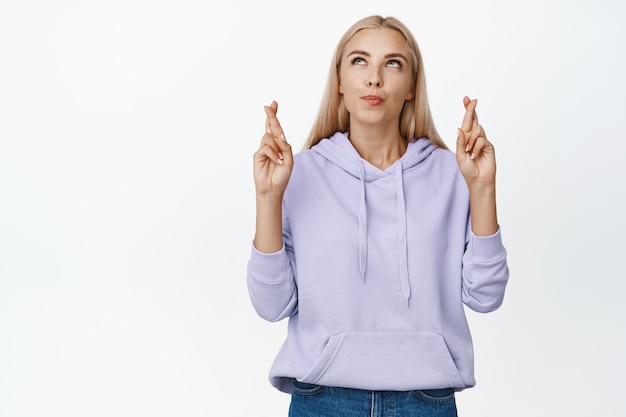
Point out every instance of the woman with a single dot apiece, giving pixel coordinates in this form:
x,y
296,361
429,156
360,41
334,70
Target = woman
x,y
365,241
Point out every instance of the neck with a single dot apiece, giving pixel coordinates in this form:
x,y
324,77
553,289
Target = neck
x,y
379,147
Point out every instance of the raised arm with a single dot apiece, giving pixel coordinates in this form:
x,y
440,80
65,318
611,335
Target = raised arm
x,y
273,162
477,162
270,269
485,270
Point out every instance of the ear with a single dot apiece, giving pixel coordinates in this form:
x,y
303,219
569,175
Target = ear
x,y
410,95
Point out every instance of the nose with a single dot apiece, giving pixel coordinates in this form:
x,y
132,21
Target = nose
x,y
374,79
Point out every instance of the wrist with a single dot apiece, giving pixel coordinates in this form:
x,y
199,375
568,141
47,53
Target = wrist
x,y
482,188
270,196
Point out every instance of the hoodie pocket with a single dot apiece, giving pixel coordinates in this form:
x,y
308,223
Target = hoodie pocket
x,y
398,361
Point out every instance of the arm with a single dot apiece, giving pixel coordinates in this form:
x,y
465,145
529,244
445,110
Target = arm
x,y
477,162
273,162
485,270
270,274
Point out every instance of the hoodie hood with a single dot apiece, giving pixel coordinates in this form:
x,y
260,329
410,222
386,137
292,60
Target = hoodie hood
x,y
339,150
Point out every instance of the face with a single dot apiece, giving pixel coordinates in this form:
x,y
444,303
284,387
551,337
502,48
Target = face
x,y
375,77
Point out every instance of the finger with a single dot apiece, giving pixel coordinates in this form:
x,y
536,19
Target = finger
x,y
470,118
274,107
475,115
478,147
267,121
263,156
268,129
476,132
270,115
274,125
285,152
271,142
269,152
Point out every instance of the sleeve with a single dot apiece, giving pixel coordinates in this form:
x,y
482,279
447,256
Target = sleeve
x,y
271,281
485,272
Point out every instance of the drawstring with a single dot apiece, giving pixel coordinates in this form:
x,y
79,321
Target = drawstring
x,y
362,223
403,259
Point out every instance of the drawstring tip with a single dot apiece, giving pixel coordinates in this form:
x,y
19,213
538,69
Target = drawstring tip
x,y
407,303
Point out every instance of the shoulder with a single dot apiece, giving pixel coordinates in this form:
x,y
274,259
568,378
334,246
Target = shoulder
x,y
451,173
444,169
444,156
306,164
444,161
306,158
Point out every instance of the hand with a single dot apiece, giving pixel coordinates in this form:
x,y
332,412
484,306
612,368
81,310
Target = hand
x,y
273,161
474,153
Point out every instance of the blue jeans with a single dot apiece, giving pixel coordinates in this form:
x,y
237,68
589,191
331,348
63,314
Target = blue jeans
x,y
309,400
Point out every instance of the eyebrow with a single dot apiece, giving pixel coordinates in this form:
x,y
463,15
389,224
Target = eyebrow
x,y
391,55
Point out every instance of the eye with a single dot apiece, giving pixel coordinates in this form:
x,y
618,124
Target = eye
x,y
394,63
357,61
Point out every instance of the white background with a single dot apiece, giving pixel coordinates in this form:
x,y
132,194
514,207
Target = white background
x,y
127,129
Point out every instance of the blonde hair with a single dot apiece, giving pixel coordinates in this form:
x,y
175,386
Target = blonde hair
x,y
415,119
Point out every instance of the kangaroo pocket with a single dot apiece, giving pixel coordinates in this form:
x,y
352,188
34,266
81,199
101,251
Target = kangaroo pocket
x,y
399,361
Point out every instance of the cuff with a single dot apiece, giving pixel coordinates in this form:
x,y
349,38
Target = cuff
x,y
487,248
269,267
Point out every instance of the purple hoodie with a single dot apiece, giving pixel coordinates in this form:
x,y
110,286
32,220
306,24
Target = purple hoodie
x,y
374,271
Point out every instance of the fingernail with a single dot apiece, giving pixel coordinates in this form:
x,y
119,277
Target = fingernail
x,y
280,161
473,156
467,148
280,156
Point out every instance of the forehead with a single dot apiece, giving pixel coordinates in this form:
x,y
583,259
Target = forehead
x,y
381,40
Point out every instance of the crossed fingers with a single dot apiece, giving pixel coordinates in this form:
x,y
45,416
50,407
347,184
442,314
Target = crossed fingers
x,y
273,143
472,134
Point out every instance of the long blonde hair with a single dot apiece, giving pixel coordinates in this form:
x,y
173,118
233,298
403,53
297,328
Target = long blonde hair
x,y
415,119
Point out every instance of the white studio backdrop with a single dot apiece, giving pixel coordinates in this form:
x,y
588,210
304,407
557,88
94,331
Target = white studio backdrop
x,y
127,204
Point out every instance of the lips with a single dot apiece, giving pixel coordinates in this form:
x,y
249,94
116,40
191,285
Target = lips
x,y
372,100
